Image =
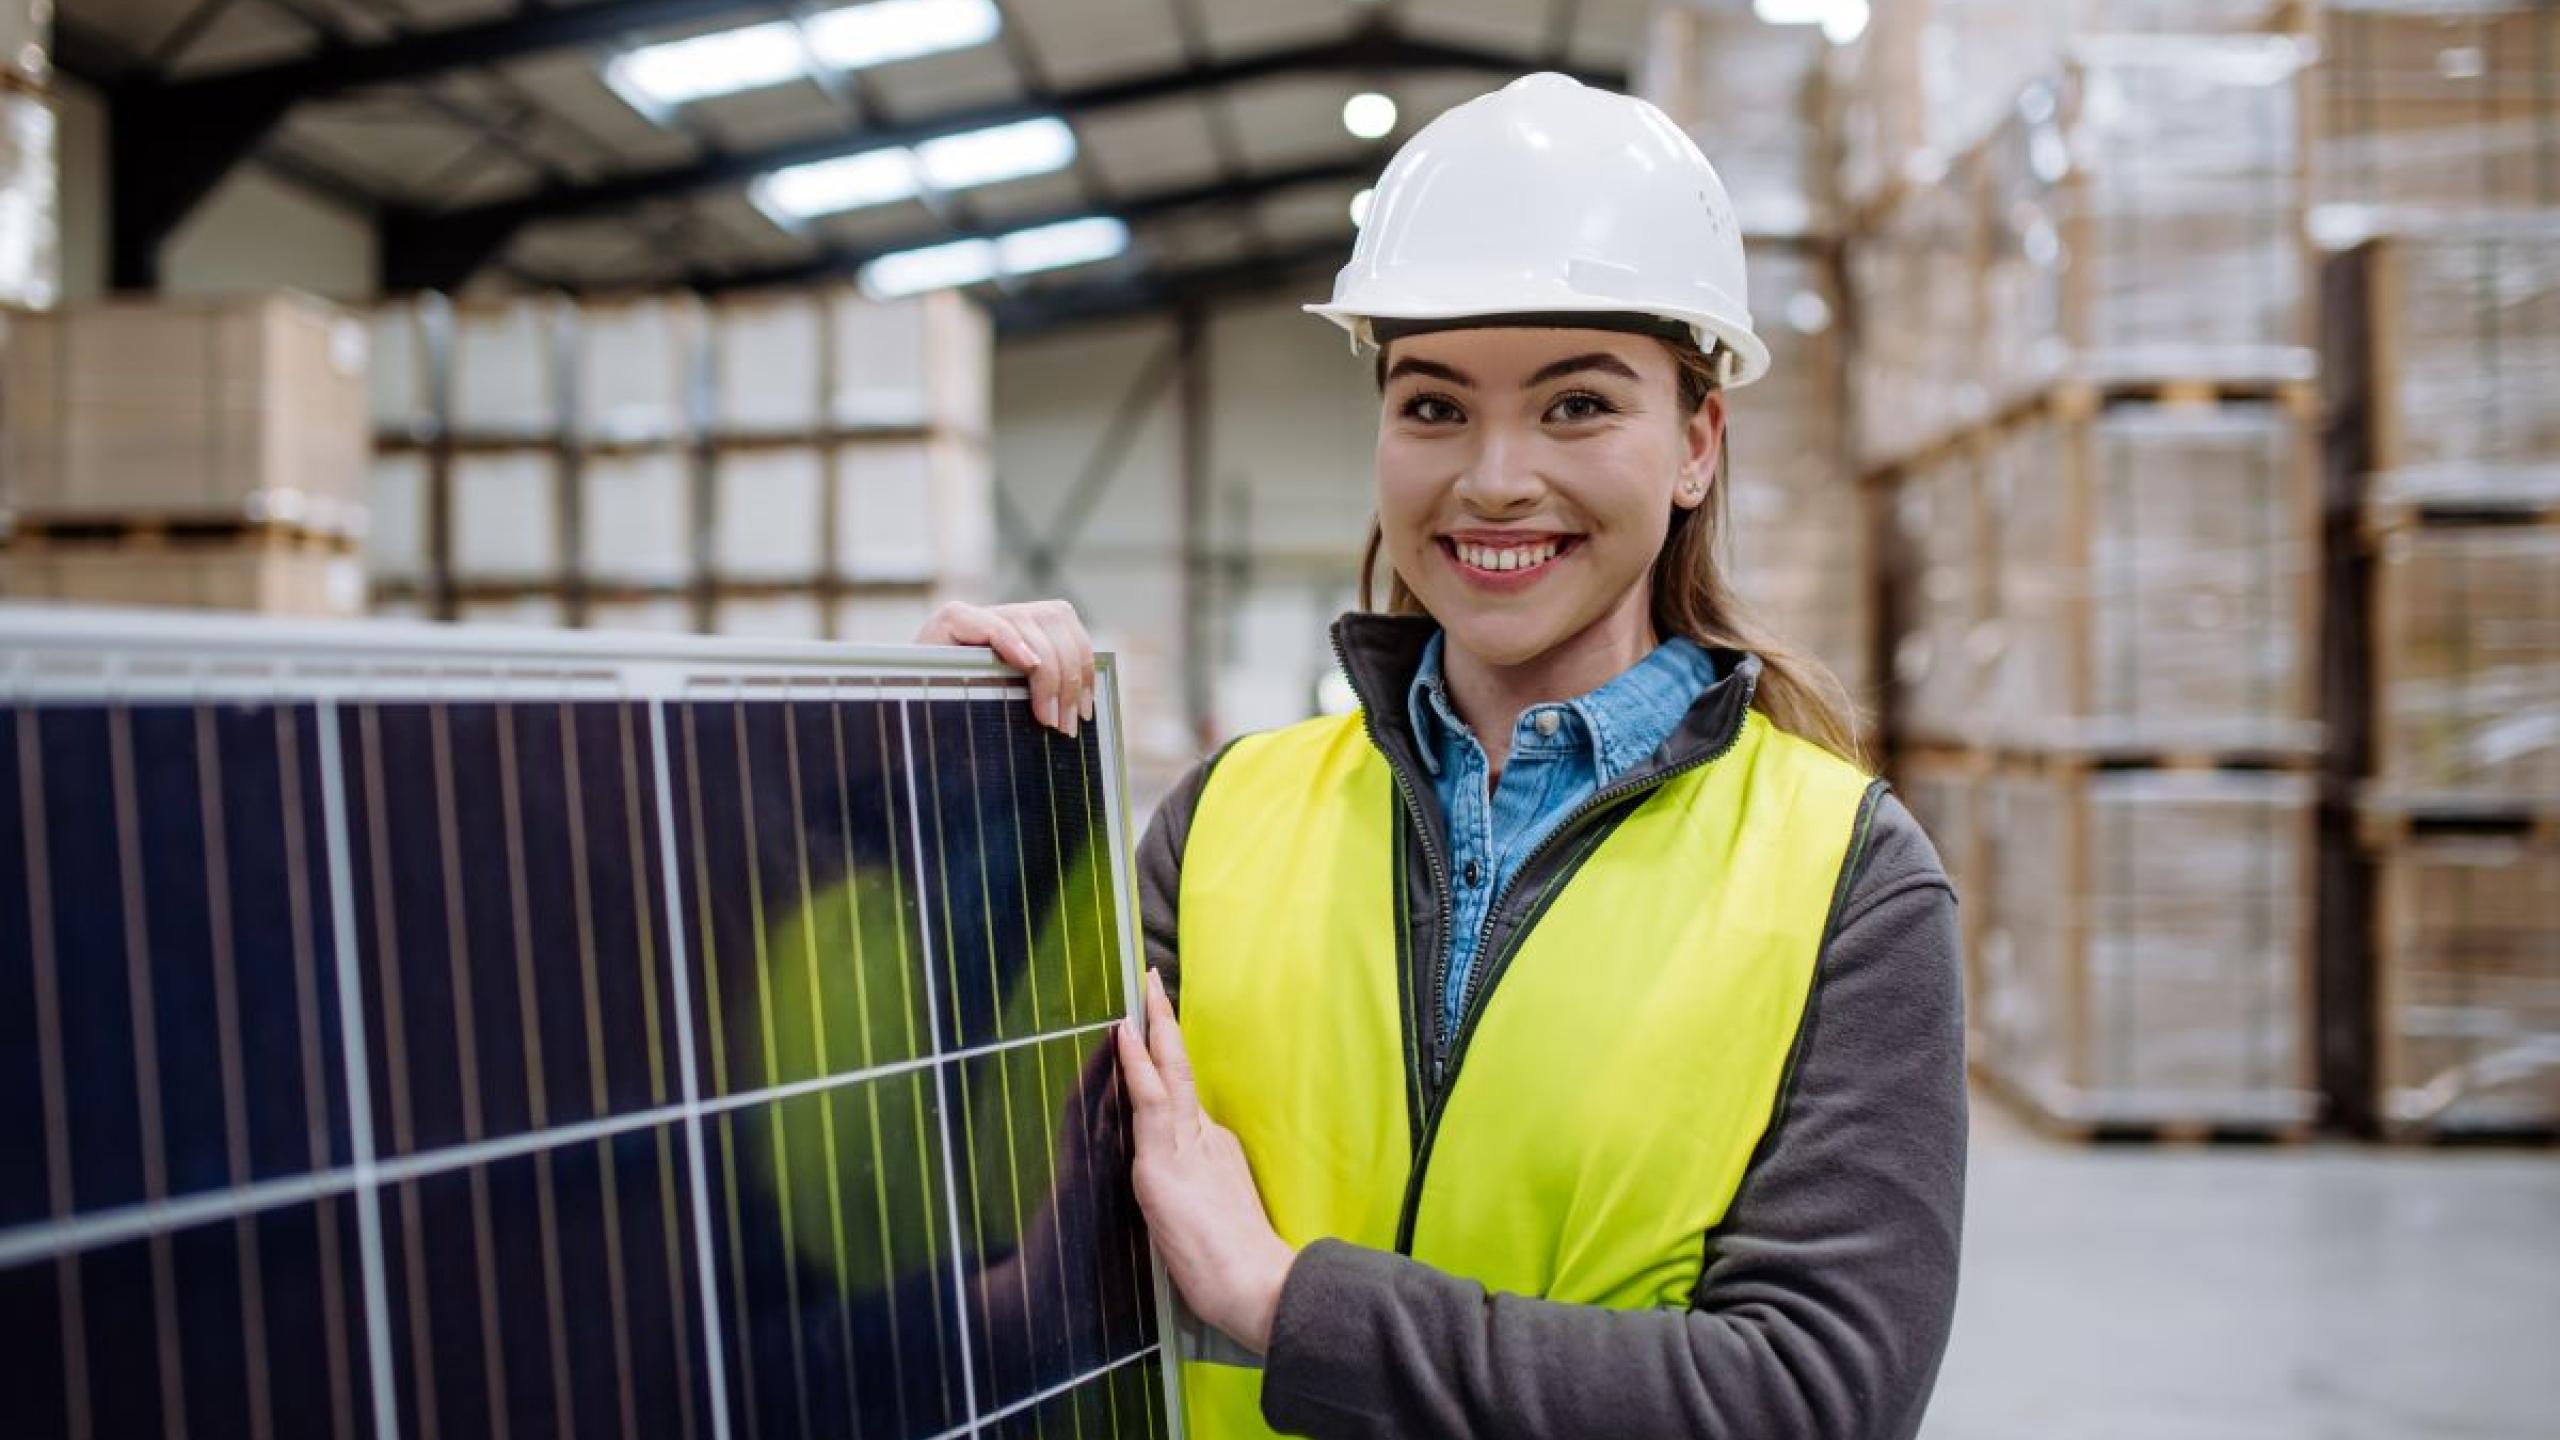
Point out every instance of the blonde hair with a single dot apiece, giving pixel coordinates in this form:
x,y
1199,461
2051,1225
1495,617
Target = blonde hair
x,y
1691,597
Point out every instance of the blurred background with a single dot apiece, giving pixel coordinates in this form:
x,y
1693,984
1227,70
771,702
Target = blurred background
x,y
2163,445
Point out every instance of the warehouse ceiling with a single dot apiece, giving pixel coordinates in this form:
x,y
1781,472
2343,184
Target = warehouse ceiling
x,y
512,144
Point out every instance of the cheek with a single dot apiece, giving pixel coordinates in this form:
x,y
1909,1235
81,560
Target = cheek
x,y
1408,488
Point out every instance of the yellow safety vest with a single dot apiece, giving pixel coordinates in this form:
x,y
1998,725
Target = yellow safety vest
x,y
1618,1075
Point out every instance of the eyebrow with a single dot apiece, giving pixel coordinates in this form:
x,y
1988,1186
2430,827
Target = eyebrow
x,y
1606,364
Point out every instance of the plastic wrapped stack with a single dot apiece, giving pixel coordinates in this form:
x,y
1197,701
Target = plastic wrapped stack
x,y
2080,266
2435,110
196,453
30,206
798,465
1751,94
2443,355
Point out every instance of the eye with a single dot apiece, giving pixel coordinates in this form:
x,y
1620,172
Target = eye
x,y
1431,410
1580,405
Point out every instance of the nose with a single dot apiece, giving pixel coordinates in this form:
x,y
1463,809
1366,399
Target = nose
x,y
1502,479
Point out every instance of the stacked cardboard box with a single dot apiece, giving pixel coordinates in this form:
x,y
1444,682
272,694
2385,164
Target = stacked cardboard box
x,y
806,464
2144,952
2432,110
188,452
2468,986
2443,352
2082,281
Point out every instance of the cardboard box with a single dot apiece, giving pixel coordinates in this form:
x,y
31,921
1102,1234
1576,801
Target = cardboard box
x,y
2154,581
925,362
2433,111
769,365
769,616
506,365
2146,953
253,408
637,365
26,32
507,516
2466,666
2467,992
637,517
30,201
769,519
399,532
252,576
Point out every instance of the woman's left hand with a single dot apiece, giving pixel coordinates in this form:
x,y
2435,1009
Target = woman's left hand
x,y
1197,1189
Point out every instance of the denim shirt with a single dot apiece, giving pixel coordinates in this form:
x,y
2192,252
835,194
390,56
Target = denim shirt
x,y
1561,754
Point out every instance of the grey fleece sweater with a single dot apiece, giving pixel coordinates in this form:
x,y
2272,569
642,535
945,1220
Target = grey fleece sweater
x,y
1828,1291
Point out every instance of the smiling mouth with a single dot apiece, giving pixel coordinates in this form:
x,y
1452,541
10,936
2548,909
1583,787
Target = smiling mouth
x,y
1509,559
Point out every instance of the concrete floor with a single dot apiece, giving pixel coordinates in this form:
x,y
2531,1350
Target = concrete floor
x,y
2313,1293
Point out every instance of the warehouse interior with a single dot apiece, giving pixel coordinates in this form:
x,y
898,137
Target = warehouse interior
x,y
2162,445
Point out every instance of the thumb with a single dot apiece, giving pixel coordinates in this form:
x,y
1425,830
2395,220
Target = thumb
x,y
1173,1061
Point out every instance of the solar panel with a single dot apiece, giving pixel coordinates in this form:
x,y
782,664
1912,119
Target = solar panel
x,y
447,1033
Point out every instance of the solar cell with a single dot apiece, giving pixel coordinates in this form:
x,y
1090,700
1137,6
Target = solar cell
x,y
449,1033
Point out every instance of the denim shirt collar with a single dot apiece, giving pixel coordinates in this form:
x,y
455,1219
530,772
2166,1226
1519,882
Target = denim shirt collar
x,y
1623,722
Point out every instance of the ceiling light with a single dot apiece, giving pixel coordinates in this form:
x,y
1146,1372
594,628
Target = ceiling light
x,y
1360,207
1000,152
968,262
1369,115
860,36
884,176
1070,242
1841,20
824,187
657,78
935,267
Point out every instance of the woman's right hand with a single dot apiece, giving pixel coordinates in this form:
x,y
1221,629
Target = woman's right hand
x,y
1044,639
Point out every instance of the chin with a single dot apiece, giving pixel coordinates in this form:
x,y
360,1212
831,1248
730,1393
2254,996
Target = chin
x,y
1499,639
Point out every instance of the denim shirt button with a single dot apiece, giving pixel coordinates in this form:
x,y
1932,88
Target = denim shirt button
x,y
1474,875
1548,720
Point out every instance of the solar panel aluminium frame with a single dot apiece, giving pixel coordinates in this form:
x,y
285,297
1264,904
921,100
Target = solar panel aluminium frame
x,y
53,654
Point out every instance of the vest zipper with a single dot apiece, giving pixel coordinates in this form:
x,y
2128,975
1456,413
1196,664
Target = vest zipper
x,y
1449,1055
1430,852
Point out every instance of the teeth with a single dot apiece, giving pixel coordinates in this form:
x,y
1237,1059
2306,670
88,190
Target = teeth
x,y
1507,557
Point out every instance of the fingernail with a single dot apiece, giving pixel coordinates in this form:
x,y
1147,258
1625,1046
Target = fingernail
x,y
1049,711
1088,707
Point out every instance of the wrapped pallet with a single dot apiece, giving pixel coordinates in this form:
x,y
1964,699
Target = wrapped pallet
x,y
2155,572
1916,373
289,579
1940,601
769,518
25,35
636,363
507,359
769,365
1797,544
246,408
1749,93
2466,667
2446,347
2433,110
399,550
2467,992
636,518
2144,213
1929,78
2145,961
30,200
918,363
506,517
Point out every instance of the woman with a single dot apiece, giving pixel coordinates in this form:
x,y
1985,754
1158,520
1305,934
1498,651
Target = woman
x,y
1571,1041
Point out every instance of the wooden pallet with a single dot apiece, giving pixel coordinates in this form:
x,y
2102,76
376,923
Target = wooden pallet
x,y
168,532
2149,1132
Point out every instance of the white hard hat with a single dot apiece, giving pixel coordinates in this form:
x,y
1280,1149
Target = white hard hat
x,y
1551,199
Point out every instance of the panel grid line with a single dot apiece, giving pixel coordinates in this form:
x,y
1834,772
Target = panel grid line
x,y
359,1084
941,1087
715,1363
